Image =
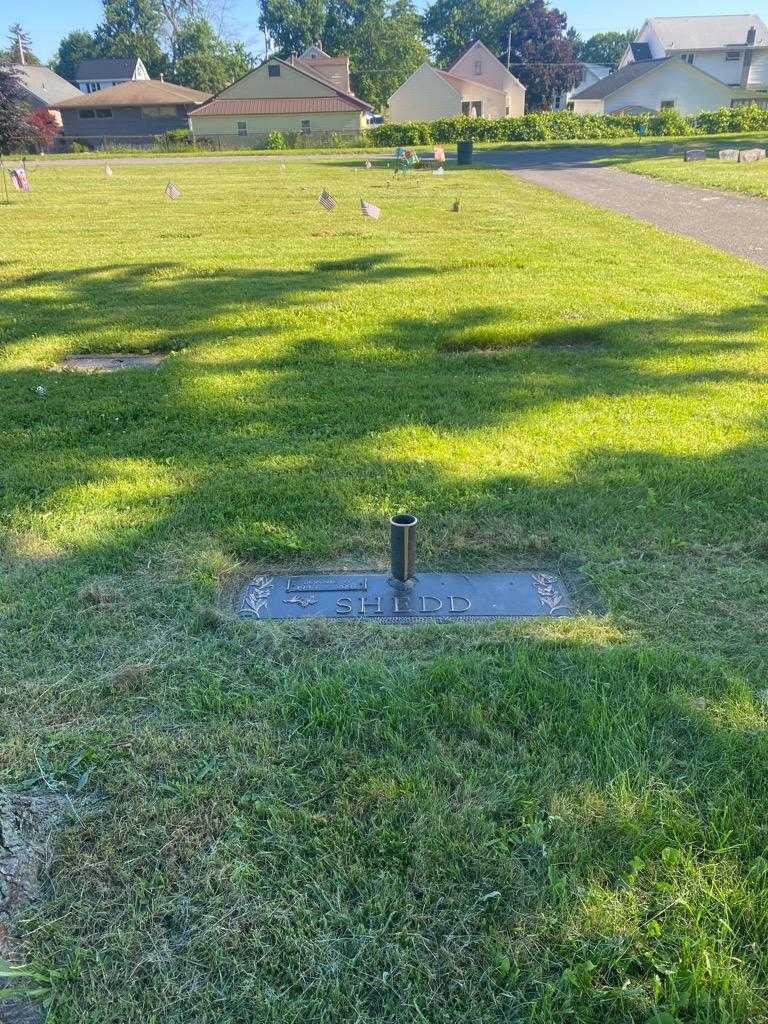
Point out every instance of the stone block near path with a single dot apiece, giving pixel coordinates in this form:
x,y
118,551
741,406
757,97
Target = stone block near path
x,y
695,154
728,154
747,156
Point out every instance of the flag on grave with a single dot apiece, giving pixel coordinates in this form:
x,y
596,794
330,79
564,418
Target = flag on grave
x,y
369,210
326,199
108,171
20,179
171,191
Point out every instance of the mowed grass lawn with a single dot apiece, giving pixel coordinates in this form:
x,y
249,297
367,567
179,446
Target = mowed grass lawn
x,y
749,178
548,821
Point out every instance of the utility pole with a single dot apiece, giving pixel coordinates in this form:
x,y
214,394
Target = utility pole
x,y
509,47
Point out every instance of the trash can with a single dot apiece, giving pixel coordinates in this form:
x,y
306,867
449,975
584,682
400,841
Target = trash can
x,y
464,153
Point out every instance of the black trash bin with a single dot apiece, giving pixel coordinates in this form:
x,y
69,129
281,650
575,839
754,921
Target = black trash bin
x,y
464,153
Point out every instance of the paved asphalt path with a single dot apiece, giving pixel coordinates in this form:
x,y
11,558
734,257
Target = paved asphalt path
x,y
725,220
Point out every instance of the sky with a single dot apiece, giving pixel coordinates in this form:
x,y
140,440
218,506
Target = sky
x,y
47,21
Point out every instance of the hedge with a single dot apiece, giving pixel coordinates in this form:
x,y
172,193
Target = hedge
x,y
564,124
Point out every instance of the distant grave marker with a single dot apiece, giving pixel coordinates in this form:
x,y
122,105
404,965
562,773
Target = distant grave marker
x,y
405,595
748,156
728,154
695,154
666,150
93,363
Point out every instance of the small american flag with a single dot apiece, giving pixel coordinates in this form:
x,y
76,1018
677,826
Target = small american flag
x,y
108,171
171,191
326,199
369,210
20,180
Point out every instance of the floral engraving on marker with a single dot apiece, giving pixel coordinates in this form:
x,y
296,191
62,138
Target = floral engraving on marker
x,y
549,593
302,601
258,595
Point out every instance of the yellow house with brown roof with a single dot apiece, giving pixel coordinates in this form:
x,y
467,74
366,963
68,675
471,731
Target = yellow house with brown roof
x,y
307,95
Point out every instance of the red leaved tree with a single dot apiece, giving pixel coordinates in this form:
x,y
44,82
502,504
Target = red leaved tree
x,y
43,127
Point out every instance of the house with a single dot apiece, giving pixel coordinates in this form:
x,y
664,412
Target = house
x,y
305,95
687,65
42,87
102,73
477,84
591,73
132,112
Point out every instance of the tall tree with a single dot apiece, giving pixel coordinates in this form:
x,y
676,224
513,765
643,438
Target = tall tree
x,y
203,60
606,47
73,49
19,46
382,37
132,28
14,127
542,54
453,25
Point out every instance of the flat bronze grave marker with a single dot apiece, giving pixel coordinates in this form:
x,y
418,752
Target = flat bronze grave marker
x,y
406,596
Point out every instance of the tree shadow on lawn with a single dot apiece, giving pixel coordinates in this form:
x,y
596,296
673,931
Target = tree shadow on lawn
x,y
264,454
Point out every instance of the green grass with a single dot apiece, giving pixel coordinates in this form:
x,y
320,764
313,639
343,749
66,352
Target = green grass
x,y
748,178
545,822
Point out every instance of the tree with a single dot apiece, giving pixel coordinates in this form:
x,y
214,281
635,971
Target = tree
x,y
606,47
542,54
382,37
43,127
203,60
452,26
14,128
132,27
19,46
73,49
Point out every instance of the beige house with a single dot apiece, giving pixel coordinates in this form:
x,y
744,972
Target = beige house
x,y
307,95
477,84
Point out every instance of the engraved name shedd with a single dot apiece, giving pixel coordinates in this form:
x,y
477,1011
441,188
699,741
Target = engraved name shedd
x,y
423,604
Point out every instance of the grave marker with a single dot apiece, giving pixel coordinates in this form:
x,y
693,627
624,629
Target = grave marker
x,y
405,595
748,156
728,154
695,154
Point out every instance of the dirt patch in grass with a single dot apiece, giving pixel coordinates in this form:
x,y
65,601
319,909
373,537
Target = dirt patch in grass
x,y
111,363
27,823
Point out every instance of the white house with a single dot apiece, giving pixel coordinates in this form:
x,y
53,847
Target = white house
x,y
592,73
102,73
477,84
688,65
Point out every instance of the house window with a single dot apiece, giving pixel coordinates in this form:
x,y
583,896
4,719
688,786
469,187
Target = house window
x,y
306,127
242,128
732,55
86,114
274,70
163,111
472,108
687,58
478,67
103,112
760,104
667,105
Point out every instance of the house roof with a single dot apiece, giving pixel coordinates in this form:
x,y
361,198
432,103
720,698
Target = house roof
x,y
605,86
239,106
103,68
461,83
708,32
479,43
44,84
279,105
146,92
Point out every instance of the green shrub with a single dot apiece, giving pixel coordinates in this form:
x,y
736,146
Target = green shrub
x,y
275,140
78,146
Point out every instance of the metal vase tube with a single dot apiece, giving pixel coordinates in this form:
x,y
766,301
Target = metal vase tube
x,y
402,534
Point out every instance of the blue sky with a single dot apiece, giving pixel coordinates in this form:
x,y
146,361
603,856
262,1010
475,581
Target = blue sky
x,y
47,21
